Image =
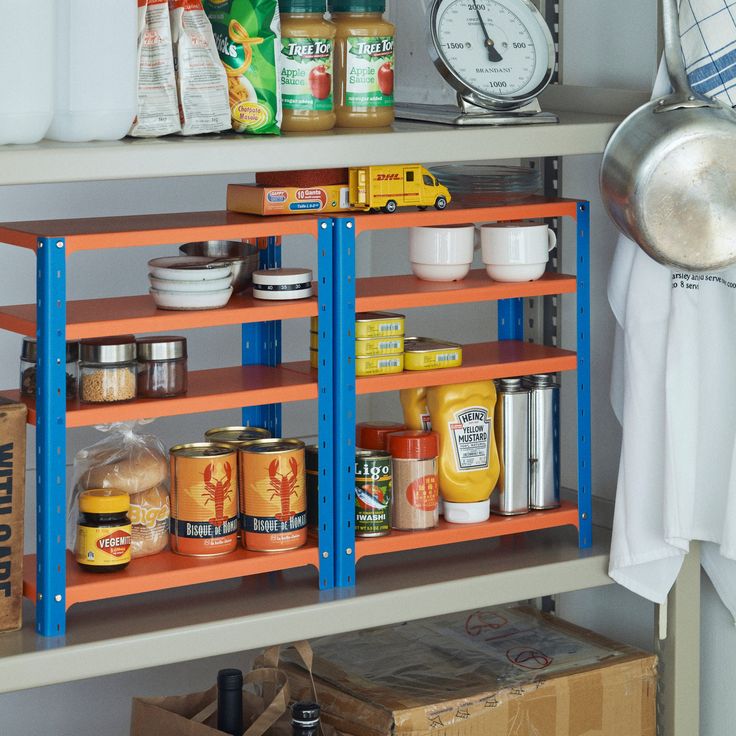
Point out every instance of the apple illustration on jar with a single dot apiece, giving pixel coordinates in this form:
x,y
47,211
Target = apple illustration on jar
x,y
320,82
386,79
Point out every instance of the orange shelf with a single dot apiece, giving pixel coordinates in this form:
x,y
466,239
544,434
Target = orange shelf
x,y
445,533
210,390
137,314
402,292
168,570
141,230
481,362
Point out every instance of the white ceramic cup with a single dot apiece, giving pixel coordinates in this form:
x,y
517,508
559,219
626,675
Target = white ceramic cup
x,y
441,253
516,251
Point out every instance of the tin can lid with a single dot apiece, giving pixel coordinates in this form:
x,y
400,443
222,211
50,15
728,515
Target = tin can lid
x,y
201,449
236,435
413,444
29,351
283,276
167,347
373,435
540,380
510,385
363,454
104,501
427,345
273,445
120,349
376,316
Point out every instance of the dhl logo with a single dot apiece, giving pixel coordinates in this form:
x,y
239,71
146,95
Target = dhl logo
x,y
387,177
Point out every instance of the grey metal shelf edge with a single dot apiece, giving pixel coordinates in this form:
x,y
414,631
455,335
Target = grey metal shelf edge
x,y
158,629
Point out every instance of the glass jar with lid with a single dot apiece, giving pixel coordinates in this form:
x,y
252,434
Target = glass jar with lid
x,y
28,368
107,369
162,366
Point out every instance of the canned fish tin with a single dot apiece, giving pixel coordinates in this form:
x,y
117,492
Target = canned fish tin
x,y
204,499
380,365
314,359
426,354
236,436
372,493
273,497
314,324
313,340
379,324
311,462
371,346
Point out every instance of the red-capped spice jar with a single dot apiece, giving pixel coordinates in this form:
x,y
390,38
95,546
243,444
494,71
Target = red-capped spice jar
x,y
374,435
416,483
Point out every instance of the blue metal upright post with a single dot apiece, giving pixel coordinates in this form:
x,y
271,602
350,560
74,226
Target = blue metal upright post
x,y
511,319
51,437
325,405
583,375
344,347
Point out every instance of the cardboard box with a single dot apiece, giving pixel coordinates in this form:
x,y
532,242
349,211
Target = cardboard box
x,y
500,672
12,494
258,200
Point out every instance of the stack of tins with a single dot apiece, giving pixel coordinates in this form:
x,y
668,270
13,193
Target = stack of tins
x,y
240,482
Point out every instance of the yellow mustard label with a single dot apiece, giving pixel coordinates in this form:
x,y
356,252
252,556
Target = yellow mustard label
x,y
101,547
432,360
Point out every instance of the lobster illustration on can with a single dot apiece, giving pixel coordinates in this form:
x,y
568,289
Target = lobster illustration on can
x,y
204,499
273,512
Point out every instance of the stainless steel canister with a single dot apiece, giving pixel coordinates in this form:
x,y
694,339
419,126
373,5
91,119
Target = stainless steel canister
x,y
511,427
544,441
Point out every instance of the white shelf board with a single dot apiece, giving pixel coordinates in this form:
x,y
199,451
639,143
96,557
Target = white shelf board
x,y
162,628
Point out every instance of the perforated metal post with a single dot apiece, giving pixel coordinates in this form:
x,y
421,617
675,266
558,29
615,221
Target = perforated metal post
x,y
583,374
344,360
326,405
51,437
511,319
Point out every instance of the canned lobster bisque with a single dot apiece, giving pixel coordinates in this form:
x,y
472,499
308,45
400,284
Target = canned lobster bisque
x,y
273,498
236,436
311,463
204,499
372,493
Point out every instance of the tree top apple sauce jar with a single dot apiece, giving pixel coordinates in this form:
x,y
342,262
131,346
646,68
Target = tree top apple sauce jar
x,y
307,54
364,64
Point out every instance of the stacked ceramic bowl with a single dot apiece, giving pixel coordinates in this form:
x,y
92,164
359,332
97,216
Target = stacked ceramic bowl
x,y
190,282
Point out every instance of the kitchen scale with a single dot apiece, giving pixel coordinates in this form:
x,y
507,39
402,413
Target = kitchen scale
x,y
497,56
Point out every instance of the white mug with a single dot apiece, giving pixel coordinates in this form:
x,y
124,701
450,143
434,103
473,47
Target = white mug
x,y
441,253
516,251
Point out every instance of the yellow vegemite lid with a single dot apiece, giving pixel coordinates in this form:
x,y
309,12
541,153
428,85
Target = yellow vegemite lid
x,y
104,501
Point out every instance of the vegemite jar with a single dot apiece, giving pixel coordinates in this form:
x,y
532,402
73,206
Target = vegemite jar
x,y
104,531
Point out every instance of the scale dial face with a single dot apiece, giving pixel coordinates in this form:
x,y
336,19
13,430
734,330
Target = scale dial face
x,y
497,54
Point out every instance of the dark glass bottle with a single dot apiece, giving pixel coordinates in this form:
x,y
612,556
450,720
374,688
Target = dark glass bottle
x,y
305,719
230,702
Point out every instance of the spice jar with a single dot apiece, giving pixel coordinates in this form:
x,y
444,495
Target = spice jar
x,y
374,435
307,54
364,64
107,369
29,359
104,531
162,366
416,483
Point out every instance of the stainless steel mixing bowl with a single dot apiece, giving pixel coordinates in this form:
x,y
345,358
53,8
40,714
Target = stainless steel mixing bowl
x,y
242,256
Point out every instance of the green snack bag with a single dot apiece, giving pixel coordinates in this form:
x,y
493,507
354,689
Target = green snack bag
x,y
247,33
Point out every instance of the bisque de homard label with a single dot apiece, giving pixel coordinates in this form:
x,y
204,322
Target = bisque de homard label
x,y
306,73
370,71
104,546
471,435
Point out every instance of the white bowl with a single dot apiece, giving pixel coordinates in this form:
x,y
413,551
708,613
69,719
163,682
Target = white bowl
x,y
192,301
188,268
516,271
191,287
440,272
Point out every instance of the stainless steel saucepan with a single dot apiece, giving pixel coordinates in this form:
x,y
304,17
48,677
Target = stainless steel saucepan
x,y
668,177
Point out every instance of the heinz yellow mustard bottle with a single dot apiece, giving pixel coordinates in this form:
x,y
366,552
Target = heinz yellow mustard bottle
x,y
416,411
468,462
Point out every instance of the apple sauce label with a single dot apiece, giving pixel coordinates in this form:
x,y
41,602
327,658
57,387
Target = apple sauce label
x,y
306,73
370,72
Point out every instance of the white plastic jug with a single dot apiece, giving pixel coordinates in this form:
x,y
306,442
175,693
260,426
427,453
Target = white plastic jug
x,y
26,69
95,95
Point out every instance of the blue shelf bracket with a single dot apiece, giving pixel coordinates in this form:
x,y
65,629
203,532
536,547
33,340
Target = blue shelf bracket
x,y
583,375
51,437
325,405
511,319
345,402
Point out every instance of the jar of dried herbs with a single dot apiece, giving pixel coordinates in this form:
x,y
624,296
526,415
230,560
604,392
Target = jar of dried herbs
x,y
28,367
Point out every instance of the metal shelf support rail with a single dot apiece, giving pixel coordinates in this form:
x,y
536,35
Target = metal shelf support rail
x,y
51,436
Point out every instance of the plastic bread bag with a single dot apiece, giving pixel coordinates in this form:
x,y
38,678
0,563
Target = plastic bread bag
x,y
158,105
248,37
200,77
127,460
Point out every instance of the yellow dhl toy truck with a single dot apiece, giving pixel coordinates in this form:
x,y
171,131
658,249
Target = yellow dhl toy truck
x,y
389,187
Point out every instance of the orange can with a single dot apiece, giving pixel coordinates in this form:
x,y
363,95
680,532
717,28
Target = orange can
x,y
204,499
273,495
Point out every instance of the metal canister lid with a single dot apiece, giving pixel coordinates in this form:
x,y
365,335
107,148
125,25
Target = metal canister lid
x,y
119,349
272,446
510,385
377,316
201,450
167,347
427,345
540,380
236,435
361,454
29,351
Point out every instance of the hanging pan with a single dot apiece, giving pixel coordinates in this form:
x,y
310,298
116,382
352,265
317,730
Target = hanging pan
x,y
668,177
